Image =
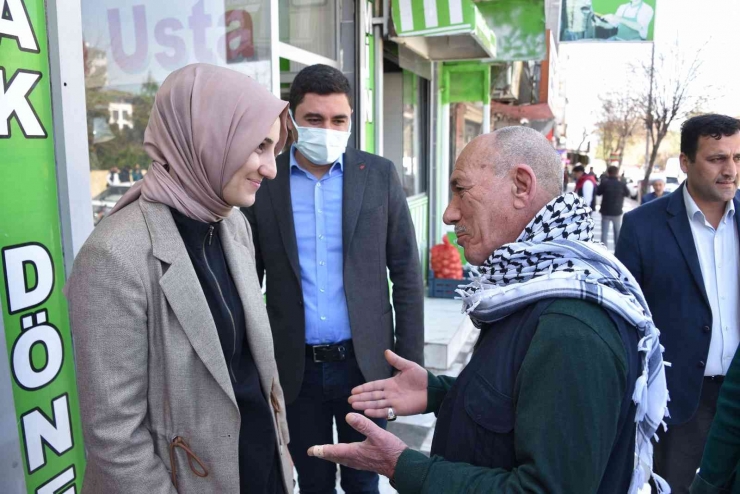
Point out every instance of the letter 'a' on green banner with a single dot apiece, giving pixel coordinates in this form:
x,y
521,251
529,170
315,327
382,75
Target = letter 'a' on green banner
x,y
41,433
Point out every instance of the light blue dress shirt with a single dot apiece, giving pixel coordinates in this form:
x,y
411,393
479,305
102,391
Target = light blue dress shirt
x,y
719,258
317,216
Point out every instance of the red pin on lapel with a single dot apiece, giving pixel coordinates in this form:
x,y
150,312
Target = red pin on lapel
x,y
362,167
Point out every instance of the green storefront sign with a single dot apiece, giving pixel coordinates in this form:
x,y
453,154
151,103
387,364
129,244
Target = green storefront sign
x,y
519,26
607,21
34,312
466,82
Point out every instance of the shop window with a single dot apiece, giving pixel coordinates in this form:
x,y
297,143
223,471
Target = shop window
x,y
466,123
406,126
130,47
411,132
310,25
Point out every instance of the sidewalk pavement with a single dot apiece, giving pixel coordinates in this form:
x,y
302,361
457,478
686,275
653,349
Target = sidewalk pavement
x,y
629,205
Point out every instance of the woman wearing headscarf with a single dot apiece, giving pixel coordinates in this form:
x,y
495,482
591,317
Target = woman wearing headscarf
x,y
178,385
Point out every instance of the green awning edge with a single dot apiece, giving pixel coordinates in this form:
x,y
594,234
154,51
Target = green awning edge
x,y
473,23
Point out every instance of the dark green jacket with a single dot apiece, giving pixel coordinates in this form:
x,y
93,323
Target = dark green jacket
x,y
567,407
718,473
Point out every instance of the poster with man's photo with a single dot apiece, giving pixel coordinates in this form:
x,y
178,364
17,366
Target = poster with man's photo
x,y
607,20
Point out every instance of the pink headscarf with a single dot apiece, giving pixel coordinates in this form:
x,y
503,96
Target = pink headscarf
x,y
205,123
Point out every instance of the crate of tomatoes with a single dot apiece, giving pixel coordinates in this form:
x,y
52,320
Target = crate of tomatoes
x,y
447,270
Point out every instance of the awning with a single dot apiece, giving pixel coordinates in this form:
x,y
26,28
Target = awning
x,y
443,30
539,111
538,117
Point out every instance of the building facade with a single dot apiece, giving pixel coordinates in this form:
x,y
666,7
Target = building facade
x,y
79,78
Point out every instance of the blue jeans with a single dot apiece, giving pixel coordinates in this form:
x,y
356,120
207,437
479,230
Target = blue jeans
x,y
615,221
323,397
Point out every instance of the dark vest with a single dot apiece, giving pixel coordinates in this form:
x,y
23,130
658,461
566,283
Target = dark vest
x,y
475,423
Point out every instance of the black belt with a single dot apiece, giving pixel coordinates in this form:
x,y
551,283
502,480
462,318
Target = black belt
x,y
715,379
336,352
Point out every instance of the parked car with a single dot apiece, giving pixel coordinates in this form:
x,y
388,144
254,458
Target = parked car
x,y
671,184
106,200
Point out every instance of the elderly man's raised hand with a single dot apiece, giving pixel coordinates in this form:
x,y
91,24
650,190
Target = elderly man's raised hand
x,y
378,453
406,392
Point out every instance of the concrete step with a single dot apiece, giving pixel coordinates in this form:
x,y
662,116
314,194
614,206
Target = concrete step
x,y
446,332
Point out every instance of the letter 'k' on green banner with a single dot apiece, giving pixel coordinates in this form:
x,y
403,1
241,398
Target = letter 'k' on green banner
x,y
41,448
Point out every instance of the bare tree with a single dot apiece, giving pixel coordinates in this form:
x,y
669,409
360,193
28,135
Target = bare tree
x,y
672,96
620,115
584,139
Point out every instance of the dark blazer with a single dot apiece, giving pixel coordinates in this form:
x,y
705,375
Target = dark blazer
x,y
378,237
657,246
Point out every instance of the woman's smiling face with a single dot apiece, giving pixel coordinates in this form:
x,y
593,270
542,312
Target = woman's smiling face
x,y
241,190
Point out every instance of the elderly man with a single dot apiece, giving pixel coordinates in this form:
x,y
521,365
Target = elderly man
x,y
558,383
657,193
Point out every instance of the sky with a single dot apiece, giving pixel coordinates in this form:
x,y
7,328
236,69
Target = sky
x,y
594,69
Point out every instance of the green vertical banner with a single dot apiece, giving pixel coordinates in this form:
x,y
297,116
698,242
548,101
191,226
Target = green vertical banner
x,y
34,312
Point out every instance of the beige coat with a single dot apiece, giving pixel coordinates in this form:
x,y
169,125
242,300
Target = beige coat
x,y
150,367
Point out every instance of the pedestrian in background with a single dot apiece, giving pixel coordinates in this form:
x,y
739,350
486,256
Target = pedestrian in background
x,y
326,233
125,175
721,460
176,373
684,252
613,192
658,191
585,186
114,177
136,174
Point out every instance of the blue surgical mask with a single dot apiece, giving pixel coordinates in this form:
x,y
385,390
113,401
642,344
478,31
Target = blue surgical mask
x,y
321,146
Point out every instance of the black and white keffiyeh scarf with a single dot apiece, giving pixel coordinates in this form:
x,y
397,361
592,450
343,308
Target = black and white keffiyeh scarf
x,y
557,257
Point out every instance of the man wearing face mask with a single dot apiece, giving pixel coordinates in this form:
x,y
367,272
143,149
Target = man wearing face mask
x,y
327,232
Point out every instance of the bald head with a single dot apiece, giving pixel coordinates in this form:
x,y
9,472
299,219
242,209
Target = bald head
x,y
500,181
505,148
